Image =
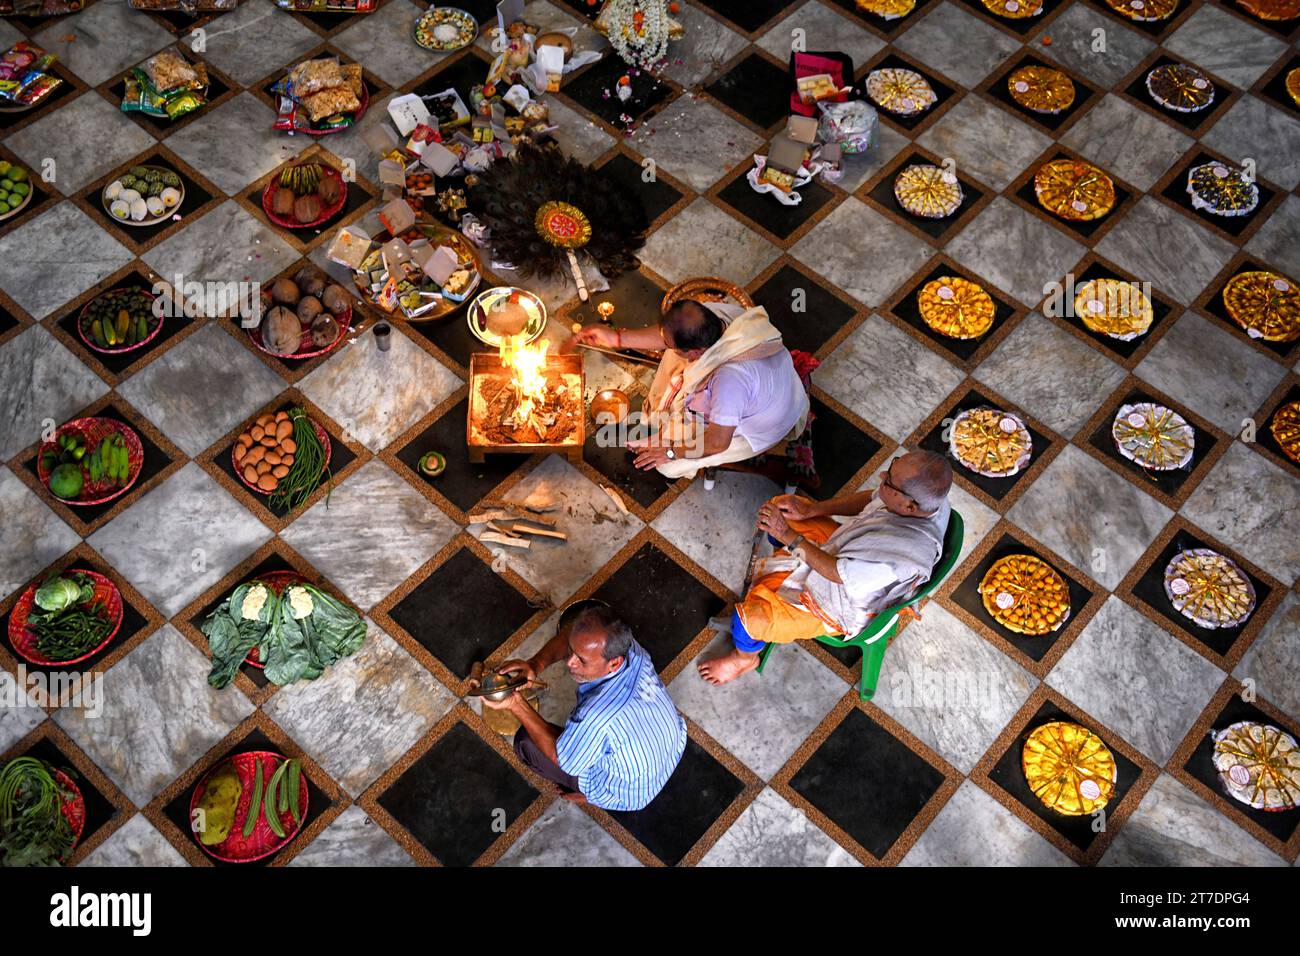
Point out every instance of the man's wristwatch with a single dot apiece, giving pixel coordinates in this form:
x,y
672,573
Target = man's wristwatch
x,y
668,450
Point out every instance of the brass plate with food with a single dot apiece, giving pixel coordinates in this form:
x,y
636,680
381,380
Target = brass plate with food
x,y
887,9
144,196
445,29
1209,588
1266,305
1074,190
1258,765
414,296
506,315
956,307
1114,308
1153,436
1025,594
990,442
1069,768
1274,11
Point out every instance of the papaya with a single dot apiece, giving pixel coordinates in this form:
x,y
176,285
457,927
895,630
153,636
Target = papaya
x,y
218,803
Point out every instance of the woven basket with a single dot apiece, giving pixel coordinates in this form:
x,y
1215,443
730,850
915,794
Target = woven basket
x,y
706,289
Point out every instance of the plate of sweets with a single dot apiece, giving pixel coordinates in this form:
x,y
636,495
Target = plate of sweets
x,y
1114,308
1025,594
1209,588
1074,190
1258,765
144,196
320,97
990,442
1179,87
1153,436
1069,768
1265,304
956,307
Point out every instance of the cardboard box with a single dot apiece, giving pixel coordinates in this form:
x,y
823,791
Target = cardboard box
x,y
397,217
350,247
802,129
784,158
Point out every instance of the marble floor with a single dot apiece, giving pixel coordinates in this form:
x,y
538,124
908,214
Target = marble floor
x,y
784,768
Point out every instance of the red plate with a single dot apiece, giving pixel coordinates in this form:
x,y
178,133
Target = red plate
x,y
326,213
344,321
90,343
277,581
73,808
356,117
325,444
261,843
24,640
92,431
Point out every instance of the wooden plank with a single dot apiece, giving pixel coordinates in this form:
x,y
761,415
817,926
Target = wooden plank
x,y
493,538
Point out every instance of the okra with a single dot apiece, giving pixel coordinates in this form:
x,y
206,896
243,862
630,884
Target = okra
x,y
250,821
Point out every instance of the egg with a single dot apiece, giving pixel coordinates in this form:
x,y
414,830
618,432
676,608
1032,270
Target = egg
x,y
155,205
121,209
139,209
170,197
113,190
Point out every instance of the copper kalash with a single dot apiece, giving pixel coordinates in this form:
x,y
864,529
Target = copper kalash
x,y
524,400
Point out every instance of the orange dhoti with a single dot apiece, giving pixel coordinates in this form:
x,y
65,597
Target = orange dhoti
x,y
768,617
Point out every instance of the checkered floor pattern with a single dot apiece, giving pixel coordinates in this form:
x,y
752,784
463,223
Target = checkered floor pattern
x,y
786,768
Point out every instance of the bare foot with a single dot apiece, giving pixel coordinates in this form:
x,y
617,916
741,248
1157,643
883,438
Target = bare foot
x,y
575,798
728,667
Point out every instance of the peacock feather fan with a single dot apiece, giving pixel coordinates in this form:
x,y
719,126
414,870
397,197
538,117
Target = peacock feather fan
x,y
508,195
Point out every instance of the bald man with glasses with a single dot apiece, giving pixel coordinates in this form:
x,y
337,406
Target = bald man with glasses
x,y
830,577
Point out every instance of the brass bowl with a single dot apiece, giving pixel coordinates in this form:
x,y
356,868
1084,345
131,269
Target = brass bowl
x,y
611,404
497,687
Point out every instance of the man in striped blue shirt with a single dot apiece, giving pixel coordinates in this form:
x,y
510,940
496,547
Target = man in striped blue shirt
x,y
624,737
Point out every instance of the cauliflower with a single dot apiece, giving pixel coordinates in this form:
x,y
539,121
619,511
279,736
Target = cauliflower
x,y
300,603
254,601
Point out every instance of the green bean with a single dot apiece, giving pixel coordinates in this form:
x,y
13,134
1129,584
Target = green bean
x,y
308,464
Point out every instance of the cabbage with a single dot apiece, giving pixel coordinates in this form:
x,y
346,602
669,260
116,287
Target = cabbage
x,y
59,593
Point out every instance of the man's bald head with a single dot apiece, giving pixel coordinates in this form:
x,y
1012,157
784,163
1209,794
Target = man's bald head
x,y
925,477
690,327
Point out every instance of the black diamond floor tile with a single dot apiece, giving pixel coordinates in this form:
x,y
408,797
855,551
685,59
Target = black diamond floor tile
x,y
748,16
867,782
755,88
636,300
656,196
908,309
1169,482
883,194
1201,766
636,590
615,463
449,797
115,363
1063,306
1275,89
594,88
699,791
840,449
464,483
1150,590
467,71
1176,192
462,612
1009,774
318,801
807,314
765,210
1195,120
967,596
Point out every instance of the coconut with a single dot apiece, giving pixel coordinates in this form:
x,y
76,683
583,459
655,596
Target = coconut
x,y
336,299
282,202
311,280
308,308
306,208
324,330
281,331
285,292
330,190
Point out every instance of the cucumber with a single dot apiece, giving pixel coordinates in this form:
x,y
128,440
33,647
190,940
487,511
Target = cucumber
x,y
295,771
250,821
269,808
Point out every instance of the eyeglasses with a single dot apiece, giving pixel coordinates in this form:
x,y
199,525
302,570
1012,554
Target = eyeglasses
x,y
888,482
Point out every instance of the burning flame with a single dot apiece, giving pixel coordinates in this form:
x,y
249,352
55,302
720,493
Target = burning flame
x,y
526,376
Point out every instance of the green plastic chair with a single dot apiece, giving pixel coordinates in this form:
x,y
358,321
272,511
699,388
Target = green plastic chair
x,y
881,629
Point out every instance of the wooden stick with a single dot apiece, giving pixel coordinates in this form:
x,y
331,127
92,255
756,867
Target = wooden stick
x,y
501,529
630,356
494,538
541,532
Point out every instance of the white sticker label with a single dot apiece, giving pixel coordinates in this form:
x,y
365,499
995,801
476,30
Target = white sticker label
x,y
1004,600
1281,285
1179,586
1200,84
1220,171
1021,86
1089,789
1079,205
1009,425
1138,5
1096,305
1239,774
1012,6
1137,419
945,292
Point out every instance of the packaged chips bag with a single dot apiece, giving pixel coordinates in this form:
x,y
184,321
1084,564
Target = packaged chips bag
x,y
24,74
851,125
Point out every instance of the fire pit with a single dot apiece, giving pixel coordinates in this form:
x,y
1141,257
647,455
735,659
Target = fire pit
x,y
524,400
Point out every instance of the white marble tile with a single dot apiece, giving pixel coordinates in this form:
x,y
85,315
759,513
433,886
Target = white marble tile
x,y
1278,241
63,135
235,143
135,843
42,385
578,136
950,687
887,377
1249,503
1273,660
102,40
1126,141
1089,515
704,240
1051,374
376,514
595,527
1214,372
1074,44
715,528
1137,679
359,717
201,389
957,43
760,718
20,713
694,141
179,539
32,536
701,53
772,832
565,836
381,42
1227,46
844,248
353,839
159,716
1015,250
374,395
973,829
248,43
44,277
1253,128
986,143
1174,827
